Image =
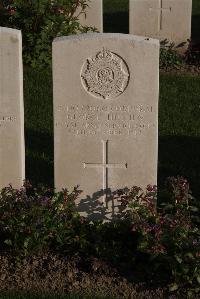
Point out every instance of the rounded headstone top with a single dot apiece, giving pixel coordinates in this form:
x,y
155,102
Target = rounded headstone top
x,y
10,31
97,36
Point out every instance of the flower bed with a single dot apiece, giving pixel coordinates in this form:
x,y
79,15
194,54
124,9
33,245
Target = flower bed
x,y
158,243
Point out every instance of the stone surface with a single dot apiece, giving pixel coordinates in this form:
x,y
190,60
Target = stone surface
x,y
94,15
163,19
12,153
105,116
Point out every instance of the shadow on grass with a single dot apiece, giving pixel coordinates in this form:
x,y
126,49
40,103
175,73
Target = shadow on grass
x,y
39,158
180,156
116,22
196,28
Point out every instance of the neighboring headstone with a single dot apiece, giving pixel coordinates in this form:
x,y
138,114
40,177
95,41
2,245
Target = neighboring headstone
x,y
162,19
93,15
105,116
12,154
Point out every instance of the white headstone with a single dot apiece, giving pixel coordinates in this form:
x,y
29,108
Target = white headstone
x,y
163,19
105,116
12,154
93,16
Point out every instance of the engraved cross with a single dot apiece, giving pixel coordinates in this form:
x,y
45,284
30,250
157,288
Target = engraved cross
x,y
160,10
105,166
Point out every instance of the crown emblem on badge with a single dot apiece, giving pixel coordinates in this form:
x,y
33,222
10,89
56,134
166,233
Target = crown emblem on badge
x,y
105,76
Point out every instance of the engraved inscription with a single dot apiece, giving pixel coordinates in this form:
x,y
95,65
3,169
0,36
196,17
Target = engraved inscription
x,y
105,76
7,119
160,11
86,120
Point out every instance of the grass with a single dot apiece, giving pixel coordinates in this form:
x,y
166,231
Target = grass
x,y
39,125
116,17
179,128
196,20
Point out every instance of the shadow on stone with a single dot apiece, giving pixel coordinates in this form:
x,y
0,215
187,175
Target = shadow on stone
x,y
97,209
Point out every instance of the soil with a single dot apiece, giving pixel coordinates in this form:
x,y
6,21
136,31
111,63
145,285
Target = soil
x,y
50,273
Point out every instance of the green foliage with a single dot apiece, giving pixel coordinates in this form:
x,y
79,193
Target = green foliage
x,y
162,240
169,57
41,21
168,233
34,220
193,55
111,241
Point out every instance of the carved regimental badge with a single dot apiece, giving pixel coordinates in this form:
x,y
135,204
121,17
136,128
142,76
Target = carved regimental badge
x,y
105,76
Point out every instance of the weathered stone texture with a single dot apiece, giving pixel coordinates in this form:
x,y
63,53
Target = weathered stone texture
x,y
12,154
162,19
105,115
94,15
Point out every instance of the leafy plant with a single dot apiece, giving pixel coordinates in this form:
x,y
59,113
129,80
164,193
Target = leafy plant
x,y
33,220
168,233
169,57
158,235
41,21
193,54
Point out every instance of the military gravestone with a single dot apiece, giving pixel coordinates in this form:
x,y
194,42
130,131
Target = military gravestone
x,y
12,154
105,115
163,19
93,15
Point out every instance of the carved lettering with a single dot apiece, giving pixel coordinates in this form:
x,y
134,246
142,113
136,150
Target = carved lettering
x,y
108,120
7,119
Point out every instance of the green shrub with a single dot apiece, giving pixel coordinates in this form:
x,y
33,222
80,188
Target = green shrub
x,y
193,55
159,238
168,233
41,21
169,57
34,220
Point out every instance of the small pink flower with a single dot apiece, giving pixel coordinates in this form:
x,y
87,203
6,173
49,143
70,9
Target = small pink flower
x,y
60,10
82,219
11,10
152,188
134,228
